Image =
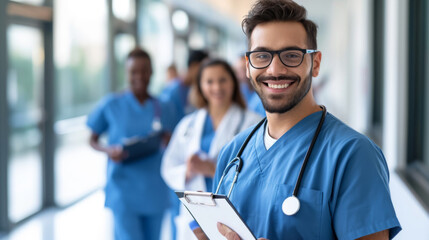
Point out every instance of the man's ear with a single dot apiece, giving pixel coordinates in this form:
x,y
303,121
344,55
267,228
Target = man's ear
x,y
317,59
247,68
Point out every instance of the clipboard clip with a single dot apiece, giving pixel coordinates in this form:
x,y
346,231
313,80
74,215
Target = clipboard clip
x,y
199,198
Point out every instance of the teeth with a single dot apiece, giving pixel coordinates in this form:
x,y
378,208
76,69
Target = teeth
x,y
278,85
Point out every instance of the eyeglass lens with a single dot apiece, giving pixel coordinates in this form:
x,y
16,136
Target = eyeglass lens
x,y
262,59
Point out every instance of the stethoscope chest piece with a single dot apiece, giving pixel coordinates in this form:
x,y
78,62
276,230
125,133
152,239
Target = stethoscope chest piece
x,y
291,205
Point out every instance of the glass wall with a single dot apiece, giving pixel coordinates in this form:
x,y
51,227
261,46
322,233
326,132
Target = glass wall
x,y
25,96
425,63
157,39
80,46
417,169
124,10
123,44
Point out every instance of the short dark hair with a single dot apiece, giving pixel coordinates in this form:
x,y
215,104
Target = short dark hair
x,y
196,56
138,53
200,101
279,10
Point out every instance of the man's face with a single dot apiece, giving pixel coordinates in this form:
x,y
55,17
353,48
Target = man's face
x,y
280,87
139,72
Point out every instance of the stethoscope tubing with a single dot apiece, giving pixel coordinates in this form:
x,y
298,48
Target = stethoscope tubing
x,y
310,149
238,158
246,141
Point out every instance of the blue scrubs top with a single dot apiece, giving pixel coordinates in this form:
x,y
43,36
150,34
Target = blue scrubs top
x,y
206,141
135,186
177,94
344,192
246,92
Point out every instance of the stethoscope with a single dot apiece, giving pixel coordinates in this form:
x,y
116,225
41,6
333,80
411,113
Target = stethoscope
x,y
291,204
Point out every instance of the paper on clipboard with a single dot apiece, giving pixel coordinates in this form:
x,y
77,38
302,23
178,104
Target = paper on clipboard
x,y
209,209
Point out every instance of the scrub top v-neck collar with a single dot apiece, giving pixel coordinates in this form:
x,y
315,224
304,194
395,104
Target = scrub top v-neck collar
x,y
135,102
264,156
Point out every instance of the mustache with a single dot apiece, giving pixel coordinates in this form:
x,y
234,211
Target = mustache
x,y
281,77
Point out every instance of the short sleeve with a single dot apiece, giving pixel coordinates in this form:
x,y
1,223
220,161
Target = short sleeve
x,y
97,120
362,204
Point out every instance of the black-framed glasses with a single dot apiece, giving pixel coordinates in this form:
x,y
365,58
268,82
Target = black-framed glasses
x,y
291,57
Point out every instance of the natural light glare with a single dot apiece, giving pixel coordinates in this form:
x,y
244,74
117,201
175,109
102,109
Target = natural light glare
x,y
124,9
180,20
85,32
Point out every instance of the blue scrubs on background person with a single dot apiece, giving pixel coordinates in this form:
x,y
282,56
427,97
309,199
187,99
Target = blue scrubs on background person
x,y
177,92
206,141
344,191
135,191
240,70
255,104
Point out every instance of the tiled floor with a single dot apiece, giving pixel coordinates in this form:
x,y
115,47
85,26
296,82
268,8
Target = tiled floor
x,y
87,219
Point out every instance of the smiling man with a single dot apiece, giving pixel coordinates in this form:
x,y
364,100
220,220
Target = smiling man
x,y
305,174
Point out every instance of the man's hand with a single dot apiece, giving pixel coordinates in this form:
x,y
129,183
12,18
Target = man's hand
x,y
200,234
229,234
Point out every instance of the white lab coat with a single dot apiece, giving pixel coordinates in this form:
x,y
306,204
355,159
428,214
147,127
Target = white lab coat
x,y
186,141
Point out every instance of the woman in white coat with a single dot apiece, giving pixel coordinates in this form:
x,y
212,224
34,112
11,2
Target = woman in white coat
x,y
189,162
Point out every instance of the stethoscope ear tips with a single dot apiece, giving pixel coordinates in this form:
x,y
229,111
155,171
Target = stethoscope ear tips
x,y
291,205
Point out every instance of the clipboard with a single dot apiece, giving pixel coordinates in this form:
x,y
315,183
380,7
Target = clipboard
x,y
208,209
137,148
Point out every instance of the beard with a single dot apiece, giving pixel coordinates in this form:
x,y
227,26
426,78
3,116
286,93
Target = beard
x,y
282,103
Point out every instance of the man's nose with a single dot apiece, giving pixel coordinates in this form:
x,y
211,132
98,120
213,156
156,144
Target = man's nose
x,y
276,67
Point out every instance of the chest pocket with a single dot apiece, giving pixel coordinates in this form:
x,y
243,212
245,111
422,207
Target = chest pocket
x,y
305,224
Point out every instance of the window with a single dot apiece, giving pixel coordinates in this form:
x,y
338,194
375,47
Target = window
x,y
157,39
124,43
80,46
45,158
417,171
378,74
25,89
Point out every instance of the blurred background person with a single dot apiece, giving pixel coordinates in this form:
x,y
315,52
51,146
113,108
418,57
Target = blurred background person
x,y
246,87
177,93
135,191
255,104
172,81
253,101
172,74
190,159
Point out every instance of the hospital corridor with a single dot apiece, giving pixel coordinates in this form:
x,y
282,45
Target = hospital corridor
x,y
96,92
